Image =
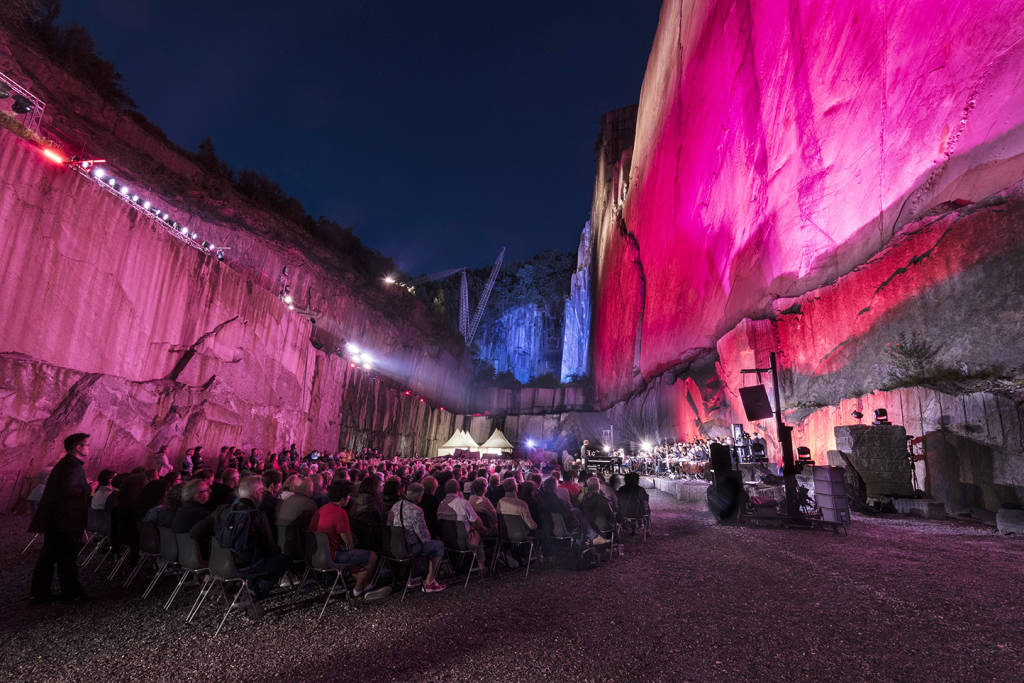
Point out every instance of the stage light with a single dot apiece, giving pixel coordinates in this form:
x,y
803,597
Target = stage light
x,y
184,231
124,190
290,307
53,156
421,399
606,449
111,182
530,443
389,280
645,446
21,105
99,172
408,393
135,198
366,366
287,298
351,365
195,235
367,358
351,348
146,205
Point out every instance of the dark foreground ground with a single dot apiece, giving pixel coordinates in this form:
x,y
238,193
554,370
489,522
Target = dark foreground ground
x,y
896,600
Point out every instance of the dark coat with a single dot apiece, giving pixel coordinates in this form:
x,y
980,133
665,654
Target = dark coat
x,y
64,507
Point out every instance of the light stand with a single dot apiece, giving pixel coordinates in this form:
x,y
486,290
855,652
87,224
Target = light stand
x,y
785,435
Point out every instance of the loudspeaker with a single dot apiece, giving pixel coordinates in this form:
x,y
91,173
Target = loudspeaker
x,y
721,459
755,402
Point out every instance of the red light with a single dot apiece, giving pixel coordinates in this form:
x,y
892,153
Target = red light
x,y
351,365
421,400
408,393
53,156
442,409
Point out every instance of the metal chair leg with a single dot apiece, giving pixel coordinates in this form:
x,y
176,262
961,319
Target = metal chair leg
x,y
120,563
330,593
230,607
33,540
529,559
164,564
185,573
203,591
135,572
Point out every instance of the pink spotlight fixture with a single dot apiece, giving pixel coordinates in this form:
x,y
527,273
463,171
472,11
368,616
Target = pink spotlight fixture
x,y
53,156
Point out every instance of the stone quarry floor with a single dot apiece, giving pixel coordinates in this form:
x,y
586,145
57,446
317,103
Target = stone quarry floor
x,y
898,599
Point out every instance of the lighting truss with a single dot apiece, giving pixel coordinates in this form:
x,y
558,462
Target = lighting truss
x,y
34,117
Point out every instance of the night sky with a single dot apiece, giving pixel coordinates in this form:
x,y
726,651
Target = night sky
x,y
439,131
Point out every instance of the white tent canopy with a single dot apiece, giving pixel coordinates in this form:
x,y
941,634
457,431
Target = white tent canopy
x,y
460,441
497,444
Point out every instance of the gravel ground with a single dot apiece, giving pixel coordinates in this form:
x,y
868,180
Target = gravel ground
x,y
898,599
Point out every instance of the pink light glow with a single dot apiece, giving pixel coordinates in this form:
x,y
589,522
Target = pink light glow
x,y
53,156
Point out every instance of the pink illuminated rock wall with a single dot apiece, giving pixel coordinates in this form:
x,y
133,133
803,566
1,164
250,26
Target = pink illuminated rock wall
x,y
110,325
838,183
780,144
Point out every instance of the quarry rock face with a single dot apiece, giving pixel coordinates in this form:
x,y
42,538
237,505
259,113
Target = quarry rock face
x,y
839,184
113,326
779,145
576,330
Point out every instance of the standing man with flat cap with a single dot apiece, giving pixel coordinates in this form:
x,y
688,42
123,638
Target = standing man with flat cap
x,y
62,516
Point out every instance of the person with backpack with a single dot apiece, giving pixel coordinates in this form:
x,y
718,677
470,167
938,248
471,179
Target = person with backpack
x,y
243,528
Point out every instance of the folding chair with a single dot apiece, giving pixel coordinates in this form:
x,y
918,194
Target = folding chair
x,y
222,572
456,541
191,563
149,550
560,532
607,528
397,552
512,531
98,527
168,557
321,561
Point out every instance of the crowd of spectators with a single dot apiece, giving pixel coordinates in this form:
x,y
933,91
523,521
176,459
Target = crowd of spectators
x,y
355,499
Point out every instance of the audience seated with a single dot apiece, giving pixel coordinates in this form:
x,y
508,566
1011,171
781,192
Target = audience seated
x,y
633,499
408,515
223,491
456,508
511,504
332,520
194,496
429,503
271,502
257,558
484,508
103,490
367,515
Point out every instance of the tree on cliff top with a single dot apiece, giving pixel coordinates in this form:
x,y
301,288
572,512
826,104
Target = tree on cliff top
x,y
73,48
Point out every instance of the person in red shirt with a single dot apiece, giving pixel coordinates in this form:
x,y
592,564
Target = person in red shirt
x,y
332,520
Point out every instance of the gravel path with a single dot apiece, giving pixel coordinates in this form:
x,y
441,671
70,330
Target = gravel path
x,y
898,599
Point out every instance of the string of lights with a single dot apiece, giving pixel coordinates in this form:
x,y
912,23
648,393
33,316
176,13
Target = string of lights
x,y
93,170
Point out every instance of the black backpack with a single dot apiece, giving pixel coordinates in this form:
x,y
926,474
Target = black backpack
x,y
235,531
582,558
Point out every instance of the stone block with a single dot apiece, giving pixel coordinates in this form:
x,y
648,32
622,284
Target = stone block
x,y
878,453
929,508
1010,521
